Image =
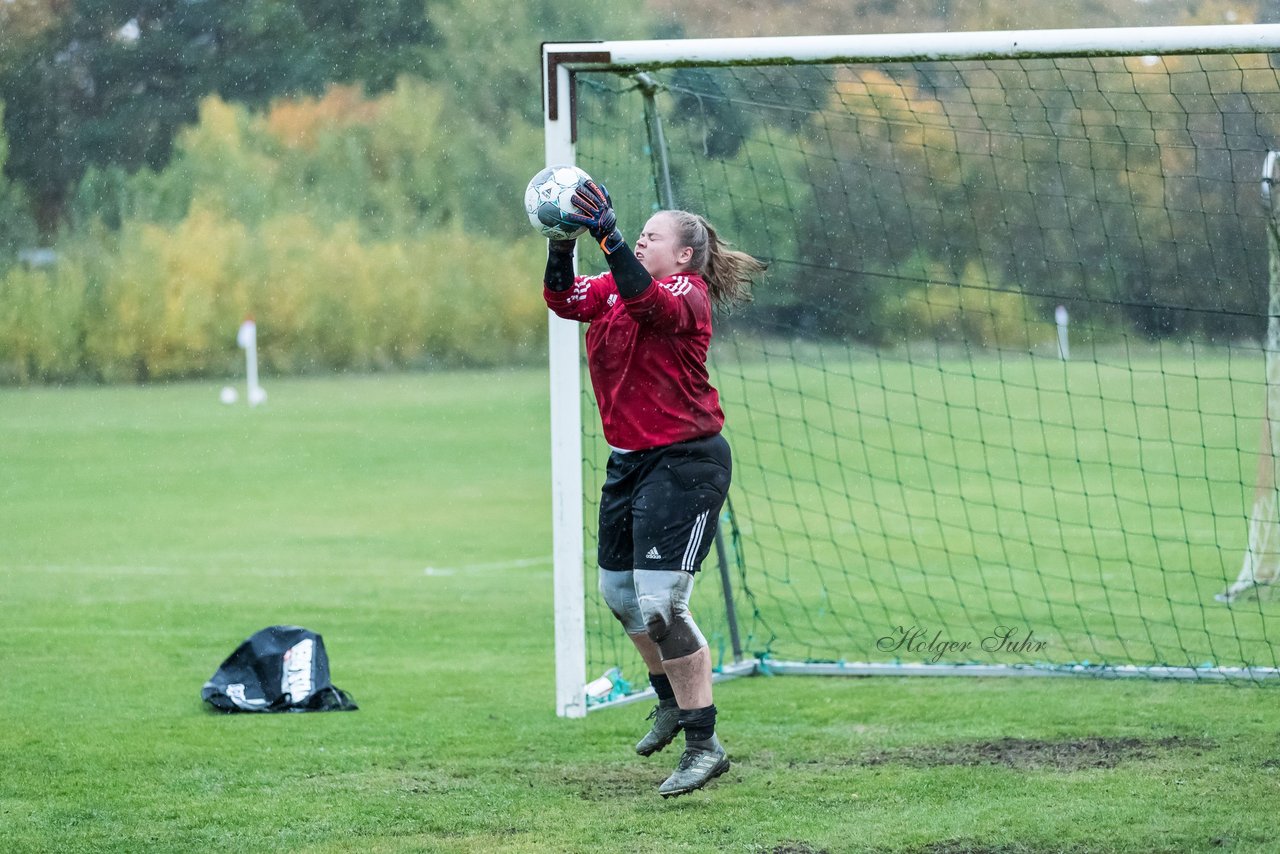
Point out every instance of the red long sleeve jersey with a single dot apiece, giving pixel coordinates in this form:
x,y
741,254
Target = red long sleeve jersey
x,y
648,358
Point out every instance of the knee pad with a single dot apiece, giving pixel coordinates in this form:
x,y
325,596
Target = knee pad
x,y
618,590
663,596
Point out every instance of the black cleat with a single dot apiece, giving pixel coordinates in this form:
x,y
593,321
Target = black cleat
x,y
666,723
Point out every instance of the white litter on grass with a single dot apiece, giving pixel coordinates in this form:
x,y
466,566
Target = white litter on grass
x,y
484,567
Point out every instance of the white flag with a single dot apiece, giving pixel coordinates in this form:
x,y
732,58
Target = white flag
x,y
248,335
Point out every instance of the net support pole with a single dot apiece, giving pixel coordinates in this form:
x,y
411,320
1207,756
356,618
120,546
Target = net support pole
x,y
657,142
1262,557
566,441
726,584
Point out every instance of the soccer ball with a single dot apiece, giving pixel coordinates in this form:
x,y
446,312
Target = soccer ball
x,y
548,198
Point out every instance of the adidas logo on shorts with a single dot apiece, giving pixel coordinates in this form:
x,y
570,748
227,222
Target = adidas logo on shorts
x,y
652,554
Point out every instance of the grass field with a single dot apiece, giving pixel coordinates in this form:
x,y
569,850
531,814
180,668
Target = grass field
x,y
147,531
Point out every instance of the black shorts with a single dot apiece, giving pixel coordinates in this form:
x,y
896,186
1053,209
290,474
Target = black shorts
x,y
659,508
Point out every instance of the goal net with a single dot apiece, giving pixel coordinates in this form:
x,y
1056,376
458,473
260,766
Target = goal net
x,y
996,407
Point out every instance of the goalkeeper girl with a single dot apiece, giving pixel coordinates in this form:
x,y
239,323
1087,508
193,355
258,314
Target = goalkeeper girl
x,y
649,327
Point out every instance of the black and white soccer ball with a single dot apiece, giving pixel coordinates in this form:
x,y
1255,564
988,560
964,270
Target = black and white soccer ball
x,y
548,199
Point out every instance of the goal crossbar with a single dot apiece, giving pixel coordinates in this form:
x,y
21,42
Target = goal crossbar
x,y
640,55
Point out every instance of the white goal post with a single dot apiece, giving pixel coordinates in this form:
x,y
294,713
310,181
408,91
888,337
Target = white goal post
x,y
562,62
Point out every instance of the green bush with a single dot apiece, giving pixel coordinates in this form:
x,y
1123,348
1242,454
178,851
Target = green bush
x,y
157,303
976,311
351,228
42,317
166,298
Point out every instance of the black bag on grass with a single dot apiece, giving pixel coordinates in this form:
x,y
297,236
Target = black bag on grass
x,y
279,669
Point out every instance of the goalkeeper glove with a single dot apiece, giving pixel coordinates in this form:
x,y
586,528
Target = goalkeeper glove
x,y
595,211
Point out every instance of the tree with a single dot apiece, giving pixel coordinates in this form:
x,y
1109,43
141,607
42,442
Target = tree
x,y
21,21
109,82
15,225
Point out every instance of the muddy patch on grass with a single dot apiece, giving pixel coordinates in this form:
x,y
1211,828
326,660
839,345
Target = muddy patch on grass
x,y
1071,755
967,846
795,848
610,784
947,846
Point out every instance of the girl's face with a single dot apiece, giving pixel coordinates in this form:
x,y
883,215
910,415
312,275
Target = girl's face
x,y
657,248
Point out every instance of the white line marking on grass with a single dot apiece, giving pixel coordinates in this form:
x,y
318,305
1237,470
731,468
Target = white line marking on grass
x,y
88,567
124,569
483,567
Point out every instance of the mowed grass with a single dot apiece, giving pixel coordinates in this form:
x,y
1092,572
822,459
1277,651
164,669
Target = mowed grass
x,y
144,532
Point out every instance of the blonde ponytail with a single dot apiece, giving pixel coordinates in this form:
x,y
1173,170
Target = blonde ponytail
x,y
728,272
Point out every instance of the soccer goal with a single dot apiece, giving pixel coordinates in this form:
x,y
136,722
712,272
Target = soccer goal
x,y
996,407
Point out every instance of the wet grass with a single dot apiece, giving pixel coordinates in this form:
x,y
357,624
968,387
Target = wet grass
x,y
147,531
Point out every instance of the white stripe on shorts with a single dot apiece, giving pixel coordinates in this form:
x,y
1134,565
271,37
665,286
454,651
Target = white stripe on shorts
x,y
695,537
